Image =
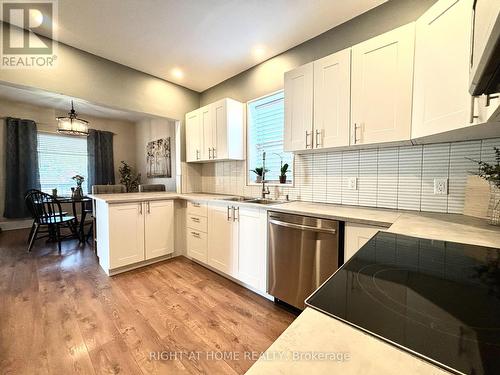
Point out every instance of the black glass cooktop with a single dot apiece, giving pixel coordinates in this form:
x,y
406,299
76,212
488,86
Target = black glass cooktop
x,y
439,300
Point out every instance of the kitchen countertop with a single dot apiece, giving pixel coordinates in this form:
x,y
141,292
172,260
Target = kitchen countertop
x,y
368,355
316,333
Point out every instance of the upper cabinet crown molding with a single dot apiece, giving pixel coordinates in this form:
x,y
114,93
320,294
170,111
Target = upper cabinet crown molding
x,y
215,132
382,84
441,99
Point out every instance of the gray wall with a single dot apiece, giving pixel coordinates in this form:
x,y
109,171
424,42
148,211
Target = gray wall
x,y
268,76
82,75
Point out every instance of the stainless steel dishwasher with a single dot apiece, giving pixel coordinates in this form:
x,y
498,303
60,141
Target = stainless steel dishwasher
x,y
302,253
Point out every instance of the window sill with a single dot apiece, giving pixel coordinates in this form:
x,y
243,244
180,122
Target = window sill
x,y
288,184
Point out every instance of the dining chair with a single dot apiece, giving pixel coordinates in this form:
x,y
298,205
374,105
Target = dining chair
x,y
151,187
108,189
47,212
30,191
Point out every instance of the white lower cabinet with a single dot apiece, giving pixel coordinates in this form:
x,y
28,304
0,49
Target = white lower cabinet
x,y
222,239
126,234
136,232
252,245
235,242
356,235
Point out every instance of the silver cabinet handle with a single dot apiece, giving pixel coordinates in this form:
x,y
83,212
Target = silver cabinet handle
x,y
195,219
195,204
318,138
489,97
236,209
228,213
209,151
197,154
213,153
472,115
140,208
355,135
307,137
195,234
149,207
302,227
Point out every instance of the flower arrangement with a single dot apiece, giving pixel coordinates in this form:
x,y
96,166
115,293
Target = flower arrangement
x,y
79,180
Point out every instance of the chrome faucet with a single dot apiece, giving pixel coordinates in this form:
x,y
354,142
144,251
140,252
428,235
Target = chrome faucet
x,y
265,189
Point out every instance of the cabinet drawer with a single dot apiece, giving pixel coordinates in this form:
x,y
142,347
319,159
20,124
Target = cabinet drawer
x,y
196,222
197,208
197,245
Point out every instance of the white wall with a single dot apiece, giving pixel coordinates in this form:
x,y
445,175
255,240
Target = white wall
x,y
150,130
124,141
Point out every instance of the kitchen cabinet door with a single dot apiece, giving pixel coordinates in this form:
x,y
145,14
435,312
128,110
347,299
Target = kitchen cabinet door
x,y
441,101
332,98
159,228
126,234
207,131
252,245
356,235
219,129
382,81
194,136
298,85
222,239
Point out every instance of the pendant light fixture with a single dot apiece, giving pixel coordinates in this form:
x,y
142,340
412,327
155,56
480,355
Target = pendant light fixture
x,y
72,125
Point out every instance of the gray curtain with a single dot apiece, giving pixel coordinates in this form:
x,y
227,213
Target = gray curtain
x,y
101,169
21,165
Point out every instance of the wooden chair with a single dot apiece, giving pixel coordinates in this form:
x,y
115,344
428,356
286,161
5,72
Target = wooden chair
x,y
151,187
47,213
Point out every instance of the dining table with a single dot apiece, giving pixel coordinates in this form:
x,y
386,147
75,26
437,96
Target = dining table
x,y
76,202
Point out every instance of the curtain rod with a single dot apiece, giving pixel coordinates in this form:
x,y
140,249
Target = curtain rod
x,y
52,124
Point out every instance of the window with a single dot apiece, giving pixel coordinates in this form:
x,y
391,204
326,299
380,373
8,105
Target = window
x,y
61,157
266,117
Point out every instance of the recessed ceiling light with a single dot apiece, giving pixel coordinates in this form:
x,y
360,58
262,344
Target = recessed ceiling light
x,y
177,73
259,51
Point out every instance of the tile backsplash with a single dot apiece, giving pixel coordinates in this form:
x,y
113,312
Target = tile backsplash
x,y
395,177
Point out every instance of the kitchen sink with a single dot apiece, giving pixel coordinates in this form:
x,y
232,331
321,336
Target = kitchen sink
x,y
263,201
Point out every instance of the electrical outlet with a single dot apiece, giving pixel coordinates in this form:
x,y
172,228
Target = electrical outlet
x,y
441,186
352,183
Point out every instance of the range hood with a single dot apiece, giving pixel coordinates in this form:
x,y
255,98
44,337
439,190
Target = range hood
x,y
485,57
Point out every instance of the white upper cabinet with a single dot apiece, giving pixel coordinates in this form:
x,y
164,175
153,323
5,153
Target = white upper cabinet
x,y
194,136
159,228
441,101
332,97
299,108
220,134
382,80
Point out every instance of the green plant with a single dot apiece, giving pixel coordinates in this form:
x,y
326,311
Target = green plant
x,y
129,178
284,169
259,171
490,172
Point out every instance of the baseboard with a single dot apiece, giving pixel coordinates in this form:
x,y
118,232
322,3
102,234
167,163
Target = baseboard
x,y
16,224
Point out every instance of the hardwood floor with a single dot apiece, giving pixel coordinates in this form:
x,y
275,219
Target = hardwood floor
x,y
60,314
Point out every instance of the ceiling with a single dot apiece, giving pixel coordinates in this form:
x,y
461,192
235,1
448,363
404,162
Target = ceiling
x,y
208,40
63,103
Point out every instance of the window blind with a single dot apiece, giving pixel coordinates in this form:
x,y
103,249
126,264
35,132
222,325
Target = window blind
x,y
60,158
266,118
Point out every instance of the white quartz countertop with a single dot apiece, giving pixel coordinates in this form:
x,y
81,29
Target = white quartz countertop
x,y
344,350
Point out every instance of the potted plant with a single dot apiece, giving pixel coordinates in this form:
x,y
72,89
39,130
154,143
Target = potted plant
x,y
491,173
284,170
259,171
129,178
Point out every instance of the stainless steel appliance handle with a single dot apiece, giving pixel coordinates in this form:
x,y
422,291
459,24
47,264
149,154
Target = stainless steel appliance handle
x,y
302,227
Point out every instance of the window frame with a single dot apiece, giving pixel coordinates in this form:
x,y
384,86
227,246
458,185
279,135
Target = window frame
x,y
248,182
85,186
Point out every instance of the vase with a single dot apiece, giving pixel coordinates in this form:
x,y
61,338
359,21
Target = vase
x,y
258,179
494,206
282,179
